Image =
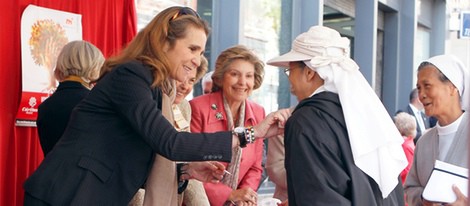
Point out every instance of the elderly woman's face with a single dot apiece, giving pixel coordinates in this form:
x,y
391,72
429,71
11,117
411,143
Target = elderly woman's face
x,y
238,81
184,88
185,56
436,96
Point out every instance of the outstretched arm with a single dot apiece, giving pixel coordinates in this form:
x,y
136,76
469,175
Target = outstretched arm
x,y
203,171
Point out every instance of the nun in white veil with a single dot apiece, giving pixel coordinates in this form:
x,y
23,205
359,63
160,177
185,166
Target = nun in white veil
x,y
443,85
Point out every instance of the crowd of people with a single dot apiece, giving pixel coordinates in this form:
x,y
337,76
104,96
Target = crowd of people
x,y
127,136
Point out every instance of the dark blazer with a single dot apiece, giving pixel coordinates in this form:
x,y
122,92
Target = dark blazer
x,y
108,147
418,129
54,112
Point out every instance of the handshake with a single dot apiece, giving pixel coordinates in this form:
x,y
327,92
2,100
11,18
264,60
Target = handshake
x,y
211,171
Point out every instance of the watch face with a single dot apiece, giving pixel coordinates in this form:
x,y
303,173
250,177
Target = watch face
x,y
239,130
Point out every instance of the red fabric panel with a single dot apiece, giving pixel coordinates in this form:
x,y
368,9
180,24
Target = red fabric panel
x,y
109,24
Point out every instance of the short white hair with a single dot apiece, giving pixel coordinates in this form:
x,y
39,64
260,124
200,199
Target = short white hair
x,y
207,77
79,58
406,124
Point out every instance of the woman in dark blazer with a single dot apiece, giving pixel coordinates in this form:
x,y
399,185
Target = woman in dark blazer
x,y
78,64
108,147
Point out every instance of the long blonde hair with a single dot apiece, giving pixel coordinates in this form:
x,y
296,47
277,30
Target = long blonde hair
x,y
168,26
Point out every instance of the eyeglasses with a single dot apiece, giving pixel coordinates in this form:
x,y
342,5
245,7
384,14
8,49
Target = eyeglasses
x,y
185,11
287,71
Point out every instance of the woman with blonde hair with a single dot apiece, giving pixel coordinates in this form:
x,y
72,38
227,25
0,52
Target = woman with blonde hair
x,y
108,148
406,125
194,195
78,64
238,71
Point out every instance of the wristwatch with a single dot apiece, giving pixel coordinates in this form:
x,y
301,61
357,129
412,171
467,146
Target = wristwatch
x,y
240,133
182,184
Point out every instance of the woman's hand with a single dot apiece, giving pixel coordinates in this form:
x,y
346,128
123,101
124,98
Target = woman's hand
x,y
244,197
462,200
273,124
204,171
285,203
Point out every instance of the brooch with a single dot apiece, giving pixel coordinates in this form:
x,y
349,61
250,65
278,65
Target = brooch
x,y
214,107
218,115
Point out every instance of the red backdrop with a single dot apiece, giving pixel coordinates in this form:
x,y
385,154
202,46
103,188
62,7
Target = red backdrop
x,y
109,24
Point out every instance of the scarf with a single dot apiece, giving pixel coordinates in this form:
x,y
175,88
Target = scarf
x,y
234,165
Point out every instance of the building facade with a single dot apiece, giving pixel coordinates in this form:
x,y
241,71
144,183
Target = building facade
x,y
389,38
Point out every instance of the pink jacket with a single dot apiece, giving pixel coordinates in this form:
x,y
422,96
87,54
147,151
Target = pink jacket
x,y
208,115
409,149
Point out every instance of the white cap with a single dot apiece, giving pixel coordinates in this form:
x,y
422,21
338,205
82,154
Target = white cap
x,y
457,73
317,41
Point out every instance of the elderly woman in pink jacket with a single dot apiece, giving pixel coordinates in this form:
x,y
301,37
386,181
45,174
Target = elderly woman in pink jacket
x,y
237,73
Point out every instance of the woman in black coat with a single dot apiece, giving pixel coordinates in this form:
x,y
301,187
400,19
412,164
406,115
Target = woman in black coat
x,y
78,64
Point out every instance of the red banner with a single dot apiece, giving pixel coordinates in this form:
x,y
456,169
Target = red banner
x,y
28,109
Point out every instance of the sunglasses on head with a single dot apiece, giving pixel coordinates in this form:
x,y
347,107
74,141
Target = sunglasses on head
x,y
185,11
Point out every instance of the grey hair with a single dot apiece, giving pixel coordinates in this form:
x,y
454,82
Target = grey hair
x,y
202,69
207,77
406,124
79,58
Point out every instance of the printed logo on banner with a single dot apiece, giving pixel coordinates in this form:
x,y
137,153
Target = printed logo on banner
x,y
32,103
28,109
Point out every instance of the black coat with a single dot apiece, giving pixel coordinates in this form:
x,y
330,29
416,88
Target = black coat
x,y
54,112
319,162
109,145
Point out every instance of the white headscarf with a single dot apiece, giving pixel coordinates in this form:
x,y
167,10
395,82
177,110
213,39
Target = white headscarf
x,y
457,73
374,138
